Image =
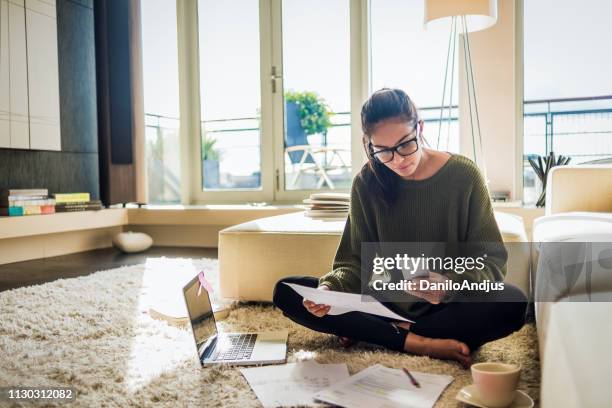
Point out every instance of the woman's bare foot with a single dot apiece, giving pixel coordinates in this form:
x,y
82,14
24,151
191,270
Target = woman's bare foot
x,y
445,349
346,342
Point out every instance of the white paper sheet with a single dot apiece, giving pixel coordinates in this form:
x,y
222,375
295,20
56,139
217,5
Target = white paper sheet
x,y
293,384
382,387
342,302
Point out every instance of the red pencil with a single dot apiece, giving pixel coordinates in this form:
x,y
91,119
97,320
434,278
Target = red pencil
x,y
412,379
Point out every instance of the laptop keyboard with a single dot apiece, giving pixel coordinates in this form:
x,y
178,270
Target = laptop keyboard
x,y
236,347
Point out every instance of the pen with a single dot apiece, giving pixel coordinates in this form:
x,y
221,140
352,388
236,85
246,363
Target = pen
x,y
412,379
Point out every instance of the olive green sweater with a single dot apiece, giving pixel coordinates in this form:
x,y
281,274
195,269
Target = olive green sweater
x,y
452,206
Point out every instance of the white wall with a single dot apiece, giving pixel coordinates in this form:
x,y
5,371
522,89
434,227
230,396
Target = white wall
x,y
497,62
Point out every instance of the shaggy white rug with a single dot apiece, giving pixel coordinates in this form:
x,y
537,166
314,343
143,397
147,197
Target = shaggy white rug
x,y
94,333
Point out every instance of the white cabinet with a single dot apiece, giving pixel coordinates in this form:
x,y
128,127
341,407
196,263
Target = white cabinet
x,y
5,124
29,81
18,77
43,84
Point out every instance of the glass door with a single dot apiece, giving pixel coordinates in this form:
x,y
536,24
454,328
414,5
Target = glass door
x,y
233,157
312,96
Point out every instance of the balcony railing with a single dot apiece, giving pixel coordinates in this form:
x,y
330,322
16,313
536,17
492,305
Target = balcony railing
x,y
580,128
577,127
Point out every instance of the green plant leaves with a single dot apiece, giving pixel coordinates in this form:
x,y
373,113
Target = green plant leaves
x,y
314,112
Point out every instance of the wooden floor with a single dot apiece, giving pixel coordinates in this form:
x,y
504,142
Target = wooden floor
x,y
28,273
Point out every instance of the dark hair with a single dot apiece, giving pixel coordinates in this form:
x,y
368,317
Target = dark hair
x,y
384,104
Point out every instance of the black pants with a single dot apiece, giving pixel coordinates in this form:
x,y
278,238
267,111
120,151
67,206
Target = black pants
x,y
492,316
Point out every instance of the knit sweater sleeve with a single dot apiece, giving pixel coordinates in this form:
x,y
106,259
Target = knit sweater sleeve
x,y
482,235
345,275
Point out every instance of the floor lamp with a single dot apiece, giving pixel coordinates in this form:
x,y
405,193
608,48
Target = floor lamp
x,y
463,16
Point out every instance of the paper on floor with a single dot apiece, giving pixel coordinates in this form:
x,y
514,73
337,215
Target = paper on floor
x,y
342,302
379,386
292,384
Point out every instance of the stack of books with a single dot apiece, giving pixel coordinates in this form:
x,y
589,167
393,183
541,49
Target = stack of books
x,y
76,202
16,202
327,205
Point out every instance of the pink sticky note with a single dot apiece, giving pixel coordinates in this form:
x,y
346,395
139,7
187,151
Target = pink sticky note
x,y
204,283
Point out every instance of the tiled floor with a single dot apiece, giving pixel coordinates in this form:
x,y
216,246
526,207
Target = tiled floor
x,y
28,273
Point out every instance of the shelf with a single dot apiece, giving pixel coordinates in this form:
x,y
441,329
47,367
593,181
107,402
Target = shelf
x,y
197,215
218,215
16,227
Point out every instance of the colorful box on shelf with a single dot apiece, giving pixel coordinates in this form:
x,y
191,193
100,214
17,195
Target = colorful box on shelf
x,y
11,211
17,202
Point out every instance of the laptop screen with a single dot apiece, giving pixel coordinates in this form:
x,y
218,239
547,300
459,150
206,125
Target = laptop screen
x,y
200,313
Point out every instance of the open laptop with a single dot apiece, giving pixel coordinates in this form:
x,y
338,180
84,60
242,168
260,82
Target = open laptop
x,y
229,348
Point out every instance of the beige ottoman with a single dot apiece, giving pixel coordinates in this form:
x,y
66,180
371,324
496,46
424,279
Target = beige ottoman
x,y
253,256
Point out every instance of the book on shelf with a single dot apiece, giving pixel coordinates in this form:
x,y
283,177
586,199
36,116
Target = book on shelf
x,y
11,211
47,209
79,206
40,192
12,198
72,198
18,202
23,202
31,210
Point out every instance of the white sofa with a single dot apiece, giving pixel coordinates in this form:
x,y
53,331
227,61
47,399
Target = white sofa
x,y
575,323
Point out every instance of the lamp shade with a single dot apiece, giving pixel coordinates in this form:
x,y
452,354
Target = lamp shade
x,y
480,14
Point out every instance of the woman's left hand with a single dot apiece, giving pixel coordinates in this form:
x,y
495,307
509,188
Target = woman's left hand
x,y
433,296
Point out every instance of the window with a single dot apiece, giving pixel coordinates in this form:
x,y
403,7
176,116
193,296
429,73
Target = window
x,y
275,97
406,56
230,96
316,94
161,100
276,87
568,89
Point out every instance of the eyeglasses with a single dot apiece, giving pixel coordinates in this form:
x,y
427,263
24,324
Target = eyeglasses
x,y
404,149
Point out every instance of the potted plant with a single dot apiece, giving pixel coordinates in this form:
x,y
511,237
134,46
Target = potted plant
x,y
314,114
306,114
541,166
210,161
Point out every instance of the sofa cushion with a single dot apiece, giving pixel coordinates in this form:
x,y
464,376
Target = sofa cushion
x,y
579,188
574,349
511,227
573,226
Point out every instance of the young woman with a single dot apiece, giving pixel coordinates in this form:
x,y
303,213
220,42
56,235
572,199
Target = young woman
x,y
408,192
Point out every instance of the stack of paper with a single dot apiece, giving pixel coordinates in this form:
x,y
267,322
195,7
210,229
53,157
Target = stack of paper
x,y
311,384
293,384
379,386
327,205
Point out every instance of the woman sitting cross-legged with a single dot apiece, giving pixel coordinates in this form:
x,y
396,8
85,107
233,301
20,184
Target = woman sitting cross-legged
x,y
410,193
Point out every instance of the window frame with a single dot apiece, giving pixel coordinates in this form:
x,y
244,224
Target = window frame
x,y
358,94
193,193
272,106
